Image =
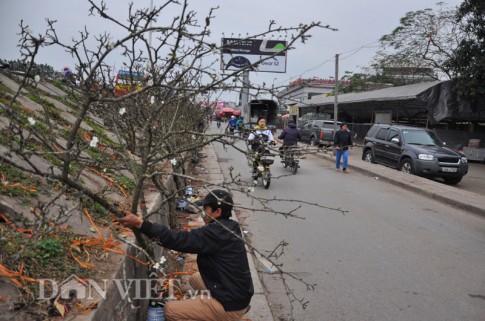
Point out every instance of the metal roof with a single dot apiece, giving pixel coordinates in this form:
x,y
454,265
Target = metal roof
x,y
408,92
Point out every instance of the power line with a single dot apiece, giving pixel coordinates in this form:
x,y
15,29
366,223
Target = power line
x,y
353,52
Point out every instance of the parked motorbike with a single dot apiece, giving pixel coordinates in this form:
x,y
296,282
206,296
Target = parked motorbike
x,y
290,157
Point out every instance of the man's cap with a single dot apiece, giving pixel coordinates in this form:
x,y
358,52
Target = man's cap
x,y
218,199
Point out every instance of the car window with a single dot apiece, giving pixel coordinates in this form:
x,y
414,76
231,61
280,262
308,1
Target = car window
x,y
420,137
306,125
393,133
382,133
317,124
372,131
329,124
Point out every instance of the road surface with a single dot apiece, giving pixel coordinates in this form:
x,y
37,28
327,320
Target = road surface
x,y
394,255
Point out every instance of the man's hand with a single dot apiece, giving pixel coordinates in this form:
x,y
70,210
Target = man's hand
x,y
130,220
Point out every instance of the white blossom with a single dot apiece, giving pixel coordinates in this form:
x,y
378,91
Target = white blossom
x,y
94,142
163,259
156,266
122,111
152,100
37,78
173,161
31,121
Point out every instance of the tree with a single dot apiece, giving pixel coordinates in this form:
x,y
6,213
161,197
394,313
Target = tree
x,y
421,45
43,70
468,60
153,130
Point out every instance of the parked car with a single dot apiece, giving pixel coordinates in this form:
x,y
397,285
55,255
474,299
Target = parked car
x,y
317,132
415,151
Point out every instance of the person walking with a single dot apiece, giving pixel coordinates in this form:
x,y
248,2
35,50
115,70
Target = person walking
x,y
342,140
221,259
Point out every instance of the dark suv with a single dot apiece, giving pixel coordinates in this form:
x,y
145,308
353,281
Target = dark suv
x,y
317,132
414,151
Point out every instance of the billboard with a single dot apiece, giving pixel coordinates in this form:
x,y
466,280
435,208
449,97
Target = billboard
x,y
240,53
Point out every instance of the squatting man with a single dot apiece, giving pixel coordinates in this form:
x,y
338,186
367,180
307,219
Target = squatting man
x,y
221,259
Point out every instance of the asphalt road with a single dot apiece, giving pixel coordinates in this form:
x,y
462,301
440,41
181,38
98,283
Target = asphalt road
x,y
394,255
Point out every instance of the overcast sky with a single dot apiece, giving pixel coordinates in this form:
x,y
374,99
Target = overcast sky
x,y
360,24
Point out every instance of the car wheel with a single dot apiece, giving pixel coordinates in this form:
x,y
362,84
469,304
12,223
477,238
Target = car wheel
x,y
453,180
407,166
312,141
369,156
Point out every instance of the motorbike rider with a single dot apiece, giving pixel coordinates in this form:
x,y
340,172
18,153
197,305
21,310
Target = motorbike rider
x,y
260,131
290,136
231,125
3,64
239,125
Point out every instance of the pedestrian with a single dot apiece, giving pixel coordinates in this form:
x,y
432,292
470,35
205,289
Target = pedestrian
x,y
290,136
221,259
342,140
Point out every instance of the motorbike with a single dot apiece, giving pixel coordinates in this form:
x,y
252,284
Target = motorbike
x,y
290,157
260,159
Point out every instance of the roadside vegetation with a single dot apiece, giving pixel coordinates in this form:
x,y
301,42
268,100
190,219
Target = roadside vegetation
x,y
75,155
72,161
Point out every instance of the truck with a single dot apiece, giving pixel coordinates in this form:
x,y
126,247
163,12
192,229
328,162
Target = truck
x,y
127,81
266,108
318,132
474,151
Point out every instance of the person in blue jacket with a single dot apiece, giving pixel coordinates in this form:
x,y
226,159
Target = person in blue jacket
x,y
231,125
221,259
239,125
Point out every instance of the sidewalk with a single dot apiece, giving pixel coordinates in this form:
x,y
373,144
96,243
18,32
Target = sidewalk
x,y
447,194
260,310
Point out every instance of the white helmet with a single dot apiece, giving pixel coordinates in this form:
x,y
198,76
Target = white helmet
x,y
233,117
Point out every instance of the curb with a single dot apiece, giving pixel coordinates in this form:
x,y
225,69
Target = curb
x,y
465,200
260,310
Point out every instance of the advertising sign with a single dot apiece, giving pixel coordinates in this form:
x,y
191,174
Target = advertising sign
x,y
240,53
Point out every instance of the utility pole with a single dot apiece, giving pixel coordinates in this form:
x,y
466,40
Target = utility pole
x,y
335,105
150,26
245,96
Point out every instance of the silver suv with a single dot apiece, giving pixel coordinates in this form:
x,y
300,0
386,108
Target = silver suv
x,y
414,151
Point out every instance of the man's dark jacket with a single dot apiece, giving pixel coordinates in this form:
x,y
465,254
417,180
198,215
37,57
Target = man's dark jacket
x,y
290,135
221,258
342,139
